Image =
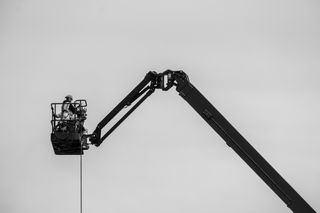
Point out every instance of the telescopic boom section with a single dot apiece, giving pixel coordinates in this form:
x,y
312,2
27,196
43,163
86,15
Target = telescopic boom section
x,y
216,120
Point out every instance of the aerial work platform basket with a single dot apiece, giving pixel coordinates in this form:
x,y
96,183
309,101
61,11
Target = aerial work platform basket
x,y
68,135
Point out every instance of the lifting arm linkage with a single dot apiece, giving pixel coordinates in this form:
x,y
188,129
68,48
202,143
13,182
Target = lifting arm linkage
x,y
142,88
240,145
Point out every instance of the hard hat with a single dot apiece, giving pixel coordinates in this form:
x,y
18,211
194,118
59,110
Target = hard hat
x,y
69,96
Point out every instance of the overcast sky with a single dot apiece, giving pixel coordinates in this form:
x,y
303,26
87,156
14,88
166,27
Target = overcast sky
x,y
256,61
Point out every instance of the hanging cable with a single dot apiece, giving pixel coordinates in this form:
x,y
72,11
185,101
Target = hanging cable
x,y
81,177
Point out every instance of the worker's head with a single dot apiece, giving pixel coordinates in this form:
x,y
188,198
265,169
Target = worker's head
x,y
69,97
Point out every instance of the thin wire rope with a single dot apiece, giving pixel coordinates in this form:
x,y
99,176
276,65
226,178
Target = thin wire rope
x,y
81,178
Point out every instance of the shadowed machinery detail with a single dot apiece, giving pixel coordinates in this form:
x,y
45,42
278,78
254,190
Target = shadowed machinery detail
x,y
69,136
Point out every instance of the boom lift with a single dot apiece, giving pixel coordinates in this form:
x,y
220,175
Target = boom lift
x,y
215,119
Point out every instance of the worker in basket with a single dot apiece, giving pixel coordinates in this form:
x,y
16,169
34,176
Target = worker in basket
x,y
67,109
67,115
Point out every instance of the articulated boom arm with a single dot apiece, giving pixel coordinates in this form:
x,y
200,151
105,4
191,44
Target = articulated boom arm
x,y
216,120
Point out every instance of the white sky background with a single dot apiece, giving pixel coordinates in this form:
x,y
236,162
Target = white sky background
x,y
256,61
